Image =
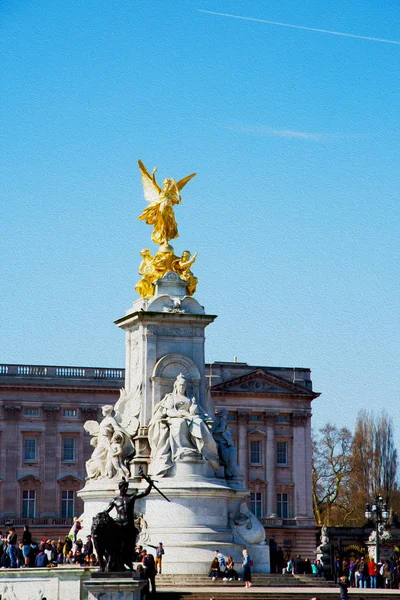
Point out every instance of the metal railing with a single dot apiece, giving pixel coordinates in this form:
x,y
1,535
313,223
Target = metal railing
x,y
64,372
31,521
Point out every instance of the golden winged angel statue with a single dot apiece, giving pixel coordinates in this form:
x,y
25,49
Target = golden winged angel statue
x,y
160,212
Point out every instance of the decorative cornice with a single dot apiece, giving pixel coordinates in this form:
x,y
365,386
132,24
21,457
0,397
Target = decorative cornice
x,y
89,411
262,382
51,409
299,420
243,417
12,410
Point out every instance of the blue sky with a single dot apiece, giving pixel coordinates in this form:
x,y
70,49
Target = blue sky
x,y
294,135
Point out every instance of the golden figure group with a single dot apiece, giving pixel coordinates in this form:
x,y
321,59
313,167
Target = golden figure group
x,y
160,214
154,267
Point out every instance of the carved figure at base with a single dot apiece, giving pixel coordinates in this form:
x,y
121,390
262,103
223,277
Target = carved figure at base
x,y
145,286
112,447
221,431
246,527
178,430
182,268
115,539
112,438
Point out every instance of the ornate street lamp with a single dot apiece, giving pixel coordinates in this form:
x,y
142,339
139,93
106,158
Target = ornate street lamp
x,y
379,513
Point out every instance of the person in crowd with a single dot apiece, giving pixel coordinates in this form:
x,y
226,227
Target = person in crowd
x,y
79,557
246,569
159,554
221,561
351,572
273,555
214,571
88,547
230,572
343,588
26,545
19,556
280,561
12,547
363,572
314,568
67,547
47,550
70,559
289,566
41,559
298,565
149,566
77,526
387,574
307,566
320,569
34,553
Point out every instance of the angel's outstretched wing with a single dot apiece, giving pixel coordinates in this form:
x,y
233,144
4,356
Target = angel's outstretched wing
x,y
91,427
150,186
127,410
182,182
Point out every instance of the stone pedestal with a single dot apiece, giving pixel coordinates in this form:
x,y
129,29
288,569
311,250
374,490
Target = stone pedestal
x,y
115,586
196,521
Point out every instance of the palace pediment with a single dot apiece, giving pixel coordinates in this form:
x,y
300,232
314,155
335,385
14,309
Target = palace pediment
x,y
262,382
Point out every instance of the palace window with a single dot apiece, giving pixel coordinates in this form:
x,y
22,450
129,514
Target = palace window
x,y
255,417
30,454
256,503
255,452
70,412
69,449
31,412
67,503
282,419
28,503
282,506
282,453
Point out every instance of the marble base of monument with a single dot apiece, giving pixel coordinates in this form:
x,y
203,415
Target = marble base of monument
x,y
197,521
114,586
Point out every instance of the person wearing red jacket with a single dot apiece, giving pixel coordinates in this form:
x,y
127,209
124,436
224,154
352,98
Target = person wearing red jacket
x,y
373,571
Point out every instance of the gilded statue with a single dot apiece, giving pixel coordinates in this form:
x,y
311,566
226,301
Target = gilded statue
x,y
160,212
181,266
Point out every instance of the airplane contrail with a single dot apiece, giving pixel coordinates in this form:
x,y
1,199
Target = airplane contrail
x,y
351,35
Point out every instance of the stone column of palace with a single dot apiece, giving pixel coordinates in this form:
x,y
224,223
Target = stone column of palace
x,y
242,450
271,465
11,433
51,437
308,443
300,475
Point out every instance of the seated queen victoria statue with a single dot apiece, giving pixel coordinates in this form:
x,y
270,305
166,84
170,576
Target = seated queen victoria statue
x,y
178,431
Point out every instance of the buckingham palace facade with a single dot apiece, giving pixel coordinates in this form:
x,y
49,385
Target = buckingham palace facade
x,y
43,445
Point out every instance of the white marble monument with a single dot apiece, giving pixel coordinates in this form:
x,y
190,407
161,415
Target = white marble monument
x,y
165,423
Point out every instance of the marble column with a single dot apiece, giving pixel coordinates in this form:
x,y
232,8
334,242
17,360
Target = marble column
x,y
271,466
308,442
299,466
13,440
243,418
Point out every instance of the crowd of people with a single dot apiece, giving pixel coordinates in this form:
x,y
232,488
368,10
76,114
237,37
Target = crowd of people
x,y
222,568
26,552
363,573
